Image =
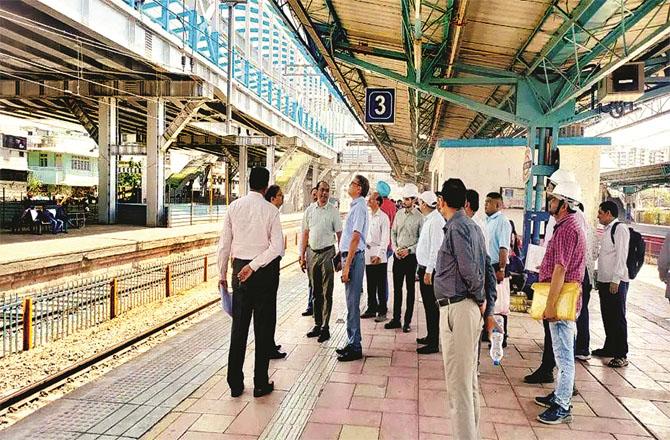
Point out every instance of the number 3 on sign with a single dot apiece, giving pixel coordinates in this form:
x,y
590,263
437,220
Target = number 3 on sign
x,y
381,105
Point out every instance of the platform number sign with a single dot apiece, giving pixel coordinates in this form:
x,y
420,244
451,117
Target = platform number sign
x,y
379,106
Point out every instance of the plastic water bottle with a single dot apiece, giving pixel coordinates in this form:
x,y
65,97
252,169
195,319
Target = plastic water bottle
x,y
496,350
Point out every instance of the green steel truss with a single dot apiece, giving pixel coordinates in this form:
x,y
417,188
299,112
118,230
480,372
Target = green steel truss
x,y
537,91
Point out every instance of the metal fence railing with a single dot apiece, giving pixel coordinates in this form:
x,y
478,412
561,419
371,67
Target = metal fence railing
x,y
54,313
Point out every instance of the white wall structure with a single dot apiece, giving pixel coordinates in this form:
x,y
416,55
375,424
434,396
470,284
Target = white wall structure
x,y
487,169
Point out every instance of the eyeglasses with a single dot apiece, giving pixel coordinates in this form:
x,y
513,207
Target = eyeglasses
x,y
353,182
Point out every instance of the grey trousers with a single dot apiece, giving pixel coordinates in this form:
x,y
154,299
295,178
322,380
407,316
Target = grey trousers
x,y
321,276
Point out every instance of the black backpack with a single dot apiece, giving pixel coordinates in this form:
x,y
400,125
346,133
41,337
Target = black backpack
x,y
636,251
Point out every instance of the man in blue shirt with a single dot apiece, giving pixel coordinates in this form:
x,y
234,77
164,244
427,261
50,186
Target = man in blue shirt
x,y
352,247
499,233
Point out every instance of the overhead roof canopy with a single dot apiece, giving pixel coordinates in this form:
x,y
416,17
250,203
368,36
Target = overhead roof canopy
x,y
473,54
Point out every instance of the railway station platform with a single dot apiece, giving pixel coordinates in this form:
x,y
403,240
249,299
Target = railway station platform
x,y
178,388
27,259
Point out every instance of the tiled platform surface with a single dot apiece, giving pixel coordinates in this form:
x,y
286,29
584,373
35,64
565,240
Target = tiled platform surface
x,y
391,394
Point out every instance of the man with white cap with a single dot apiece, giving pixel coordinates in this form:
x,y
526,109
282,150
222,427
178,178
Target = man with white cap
x,y
404,238
430,241
564,262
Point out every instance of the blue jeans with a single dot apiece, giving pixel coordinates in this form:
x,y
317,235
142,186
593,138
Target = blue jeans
x,y
352,291
563,339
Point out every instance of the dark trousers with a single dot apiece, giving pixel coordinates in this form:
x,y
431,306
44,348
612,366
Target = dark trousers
x,y
431,308
548,361
613,310
274,267
583,334
251,298
377,282
404,269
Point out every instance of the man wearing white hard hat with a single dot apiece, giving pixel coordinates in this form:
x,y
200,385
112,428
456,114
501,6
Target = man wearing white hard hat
x,y
404,238
544,373
564,262
430,241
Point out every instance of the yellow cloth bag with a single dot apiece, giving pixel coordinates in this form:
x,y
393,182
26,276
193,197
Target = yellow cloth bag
x,y
566,308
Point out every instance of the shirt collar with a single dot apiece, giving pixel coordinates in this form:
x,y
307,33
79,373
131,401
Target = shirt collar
x,y
357,201
565,219
611,223
255,194
494,216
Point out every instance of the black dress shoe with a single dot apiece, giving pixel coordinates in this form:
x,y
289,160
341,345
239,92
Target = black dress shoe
x,y
350,356
368,314
422,341
325,335
308,312
316,331
392,324
277,355
343,350
601,352
266,389
236,391
428,349
539,376
406,328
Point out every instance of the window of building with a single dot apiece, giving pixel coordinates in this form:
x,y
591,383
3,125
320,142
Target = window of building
x,y
81,163
44,160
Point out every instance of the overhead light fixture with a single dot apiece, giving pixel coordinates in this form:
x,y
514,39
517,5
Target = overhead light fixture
x,y
423,136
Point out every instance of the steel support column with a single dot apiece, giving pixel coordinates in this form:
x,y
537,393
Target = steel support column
x,y
270,163
107,141
242,162
155,162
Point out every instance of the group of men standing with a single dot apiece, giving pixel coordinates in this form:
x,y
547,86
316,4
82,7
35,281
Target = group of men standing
x,y
461,261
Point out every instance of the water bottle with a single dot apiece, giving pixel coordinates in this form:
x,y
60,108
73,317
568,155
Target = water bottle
x,y
496,350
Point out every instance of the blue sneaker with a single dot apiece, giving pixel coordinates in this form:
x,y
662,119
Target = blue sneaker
x,y
555,415
545,401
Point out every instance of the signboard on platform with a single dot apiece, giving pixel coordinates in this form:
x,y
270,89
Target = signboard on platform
x,y
513,197
379,106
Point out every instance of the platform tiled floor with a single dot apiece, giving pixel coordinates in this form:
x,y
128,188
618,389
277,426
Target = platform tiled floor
x,y
392,393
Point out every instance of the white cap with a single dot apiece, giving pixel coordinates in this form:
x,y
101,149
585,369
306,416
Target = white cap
x,y
562,175
569,191
410,191
429,198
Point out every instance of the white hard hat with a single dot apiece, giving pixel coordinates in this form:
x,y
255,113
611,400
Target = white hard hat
x,y
569,191
429,198
410,191
562,175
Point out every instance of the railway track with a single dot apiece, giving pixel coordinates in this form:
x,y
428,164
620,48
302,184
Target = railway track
x,y
38,390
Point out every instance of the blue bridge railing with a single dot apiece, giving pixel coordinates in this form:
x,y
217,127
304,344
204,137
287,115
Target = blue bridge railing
x,y
194,31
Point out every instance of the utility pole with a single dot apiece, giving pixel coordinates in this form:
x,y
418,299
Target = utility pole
x,y
231,44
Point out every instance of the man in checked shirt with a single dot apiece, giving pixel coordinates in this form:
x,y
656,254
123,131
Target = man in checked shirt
x,y
564,262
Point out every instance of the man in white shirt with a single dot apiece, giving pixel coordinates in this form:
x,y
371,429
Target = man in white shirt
x,y
376,259
275,196
252,236
321,227
430,241
613,285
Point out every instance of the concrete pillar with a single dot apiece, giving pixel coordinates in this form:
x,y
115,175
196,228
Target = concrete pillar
x,y
107,140
155,163
242,171
315,175
270,163
143,197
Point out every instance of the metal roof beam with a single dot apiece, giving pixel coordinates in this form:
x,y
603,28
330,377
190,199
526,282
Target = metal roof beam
x,y
378,133
567,94
486,71
471,81
369,50
586,9
435,91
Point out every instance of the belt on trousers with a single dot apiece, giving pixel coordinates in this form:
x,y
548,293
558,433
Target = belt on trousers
x,y
448,301
320,251
344,254
422,267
